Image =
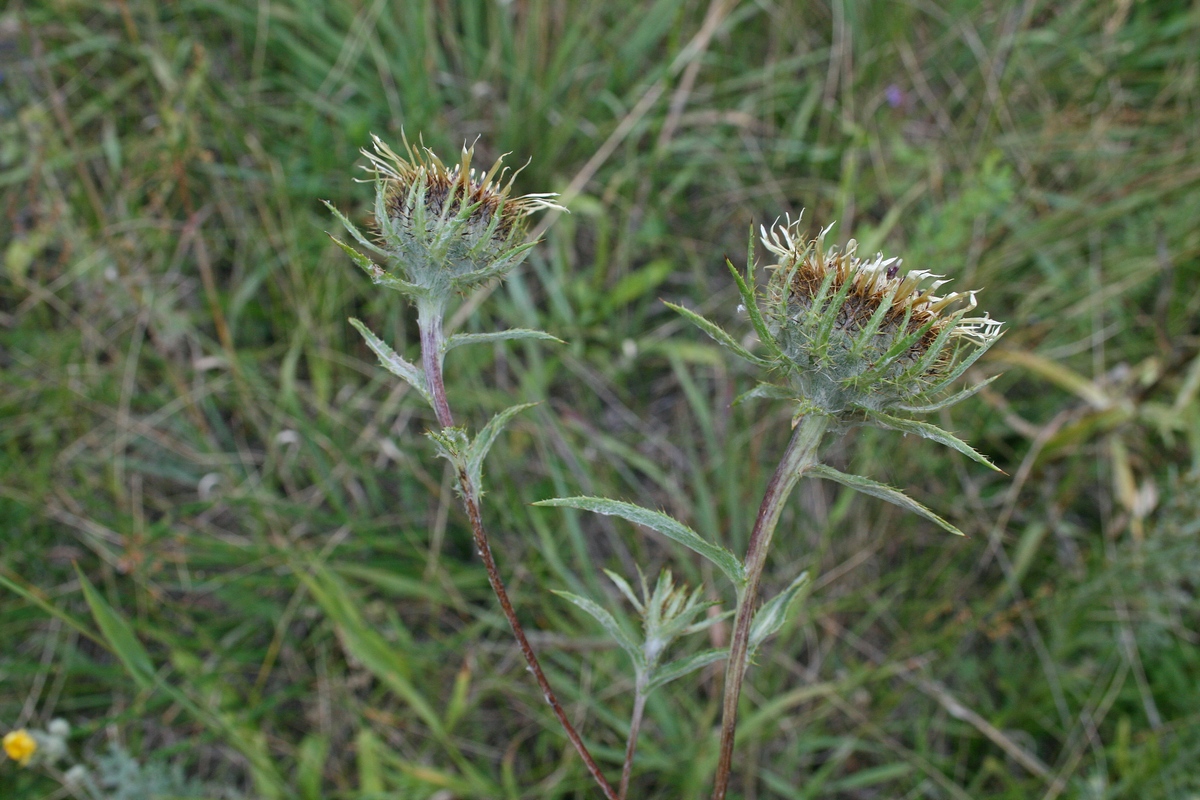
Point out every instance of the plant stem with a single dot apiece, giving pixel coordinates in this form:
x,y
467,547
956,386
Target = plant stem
x,y
635,727
800,454
432,338
429,321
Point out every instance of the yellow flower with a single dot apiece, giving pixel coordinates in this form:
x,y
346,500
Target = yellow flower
x,y
20,746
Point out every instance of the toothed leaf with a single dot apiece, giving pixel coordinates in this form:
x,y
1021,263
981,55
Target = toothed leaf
x,y
610,624
479,447
769,619
946,402
672,528
460,339
682,666
393,362
353,230
626,589
718,334
750,301
882,491
766,391
928,431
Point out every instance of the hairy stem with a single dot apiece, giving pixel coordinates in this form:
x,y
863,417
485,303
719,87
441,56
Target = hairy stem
x,y
800,454
635,727
429,320
432,338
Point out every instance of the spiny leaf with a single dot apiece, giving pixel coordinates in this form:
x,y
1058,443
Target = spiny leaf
x,y
770,618
460,339
610,624
393,362
766,391
928,431
882,491
718,334
682,666
750,301
672,528
483,441
378,275
946,402
626,589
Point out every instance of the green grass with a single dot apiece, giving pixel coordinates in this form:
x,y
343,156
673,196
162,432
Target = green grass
x,y
187,416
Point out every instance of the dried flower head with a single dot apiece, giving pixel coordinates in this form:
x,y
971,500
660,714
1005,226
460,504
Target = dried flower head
x,y
858,334
447,229
856,340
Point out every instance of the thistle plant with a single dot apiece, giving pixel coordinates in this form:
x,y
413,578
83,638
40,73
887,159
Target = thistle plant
x,y
440,232
845,341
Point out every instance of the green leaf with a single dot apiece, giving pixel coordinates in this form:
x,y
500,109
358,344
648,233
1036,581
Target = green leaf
x,y
453,445
769,619
766,391
354,231
718,334
368,266
478,449
119,636
378,275
965,364
459,696
946,402
672,528
882,491
35,596
871,776
460,339
392,362
311,756
367,749
610,624
682,666
928,431
626,589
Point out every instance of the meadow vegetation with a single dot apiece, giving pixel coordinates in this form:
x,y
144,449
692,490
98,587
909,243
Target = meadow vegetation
x,y
228,548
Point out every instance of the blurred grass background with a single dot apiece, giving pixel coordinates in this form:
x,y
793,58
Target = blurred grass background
x,y
186,415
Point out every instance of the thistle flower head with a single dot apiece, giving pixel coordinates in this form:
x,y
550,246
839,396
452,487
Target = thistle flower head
x,y
446,228
451,226
859,335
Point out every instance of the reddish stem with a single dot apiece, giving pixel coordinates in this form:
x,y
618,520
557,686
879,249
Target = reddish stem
x,y
430,323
